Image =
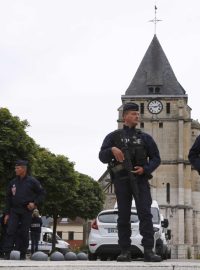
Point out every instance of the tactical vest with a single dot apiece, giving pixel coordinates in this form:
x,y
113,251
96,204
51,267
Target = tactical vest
x,y
135,144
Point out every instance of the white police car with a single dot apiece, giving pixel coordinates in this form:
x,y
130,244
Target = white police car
x,y
45,242
103,237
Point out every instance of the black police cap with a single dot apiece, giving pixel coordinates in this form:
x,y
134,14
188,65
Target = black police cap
x,y
130,107
21,162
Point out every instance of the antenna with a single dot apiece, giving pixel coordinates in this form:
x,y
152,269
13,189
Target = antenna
x,y
155,20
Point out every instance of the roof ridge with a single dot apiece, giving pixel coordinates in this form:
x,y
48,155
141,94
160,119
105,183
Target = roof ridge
x,y
155,70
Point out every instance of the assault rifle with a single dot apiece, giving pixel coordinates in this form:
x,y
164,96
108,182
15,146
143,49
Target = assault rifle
x,y
128,166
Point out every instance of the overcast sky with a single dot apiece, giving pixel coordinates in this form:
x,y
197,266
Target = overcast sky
x,y
64,65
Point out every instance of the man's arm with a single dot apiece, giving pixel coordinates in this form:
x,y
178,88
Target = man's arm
x,y
106,154
153,155
194,153
8,204
8,199
39,191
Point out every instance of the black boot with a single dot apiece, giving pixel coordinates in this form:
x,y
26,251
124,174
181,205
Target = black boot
x,y
22,256
7,256
150,256
125,256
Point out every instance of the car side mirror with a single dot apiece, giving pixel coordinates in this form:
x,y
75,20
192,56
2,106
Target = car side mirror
x,y
165,223
168,235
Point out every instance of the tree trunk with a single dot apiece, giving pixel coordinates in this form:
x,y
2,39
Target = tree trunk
x,y
55,219
85,232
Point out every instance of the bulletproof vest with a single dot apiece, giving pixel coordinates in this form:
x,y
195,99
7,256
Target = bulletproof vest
x,y
134,143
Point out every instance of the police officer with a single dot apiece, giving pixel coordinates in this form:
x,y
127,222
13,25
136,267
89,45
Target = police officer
x,y
3,228
36,224
194,154
23,195
140,145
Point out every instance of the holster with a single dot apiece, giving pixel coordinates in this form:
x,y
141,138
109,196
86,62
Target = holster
x,y
117,168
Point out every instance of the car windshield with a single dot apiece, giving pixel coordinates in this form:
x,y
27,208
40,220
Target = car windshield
x,y
48,236
155,214
111,217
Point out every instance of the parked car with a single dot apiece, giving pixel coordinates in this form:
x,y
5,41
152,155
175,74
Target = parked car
x,y
45,242
103,237
163,245
161,234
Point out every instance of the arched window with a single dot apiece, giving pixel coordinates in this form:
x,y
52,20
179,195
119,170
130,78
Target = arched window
x,y
168,193
142,108
168,107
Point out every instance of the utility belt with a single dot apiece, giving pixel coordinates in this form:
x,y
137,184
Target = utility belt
x,y
119,168
116,168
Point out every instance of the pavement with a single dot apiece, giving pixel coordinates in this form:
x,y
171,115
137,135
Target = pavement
x,y
99,265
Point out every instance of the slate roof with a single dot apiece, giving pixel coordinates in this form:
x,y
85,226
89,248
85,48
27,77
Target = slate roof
x,y
155,70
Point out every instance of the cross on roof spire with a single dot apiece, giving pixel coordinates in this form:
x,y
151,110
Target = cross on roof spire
x,y
155,20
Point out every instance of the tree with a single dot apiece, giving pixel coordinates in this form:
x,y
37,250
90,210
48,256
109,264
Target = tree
x,y
57,175
14,144
89,197
88,202
68,193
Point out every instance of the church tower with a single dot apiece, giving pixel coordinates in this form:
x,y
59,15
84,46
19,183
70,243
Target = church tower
x,y
166,116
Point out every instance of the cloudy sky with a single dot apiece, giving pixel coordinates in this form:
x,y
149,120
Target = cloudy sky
x,y
64,65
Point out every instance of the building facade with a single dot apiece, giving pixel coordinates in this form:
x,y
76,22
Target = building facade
x,y
69,230
166,115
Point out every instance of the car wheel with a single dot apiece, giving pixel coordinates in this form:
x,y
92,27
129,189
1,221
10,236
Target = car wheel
x,y
168,253
161,250
92,256
62,250
113,258
165,254
103,258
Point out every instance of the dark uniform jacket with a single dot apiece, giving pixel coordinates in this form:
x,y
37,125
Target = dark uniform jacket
x,y
36,224
22,191
106,156
194,154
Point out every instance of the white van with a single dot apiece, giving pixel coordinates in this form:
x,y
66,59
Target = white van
x,y
161,245
45,242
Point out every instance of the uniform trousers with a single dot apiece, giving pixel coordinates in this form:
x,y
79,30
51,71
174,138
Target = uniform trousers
x,y
35,237
124,200
18,230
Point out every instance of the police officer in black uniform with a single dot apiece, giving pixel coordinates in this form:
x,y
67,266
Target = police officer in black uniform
x,y
145,159
3,228
194,154
23,195
36,224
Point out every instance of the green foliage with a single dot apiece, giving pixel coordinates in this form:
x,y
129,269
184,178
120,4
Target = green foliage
x,y
68,193
89,197
14,144
59,179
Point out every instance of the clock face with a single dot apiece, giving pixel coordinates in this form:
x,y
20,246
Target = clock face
x,y
155,106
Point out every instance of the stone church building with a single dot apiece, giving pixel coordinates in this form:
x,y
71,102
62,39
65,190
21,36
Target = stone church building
x,y
166,116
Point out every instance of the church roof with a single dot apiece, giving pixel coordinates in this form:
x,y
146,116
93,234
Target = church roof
x,y
154,71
